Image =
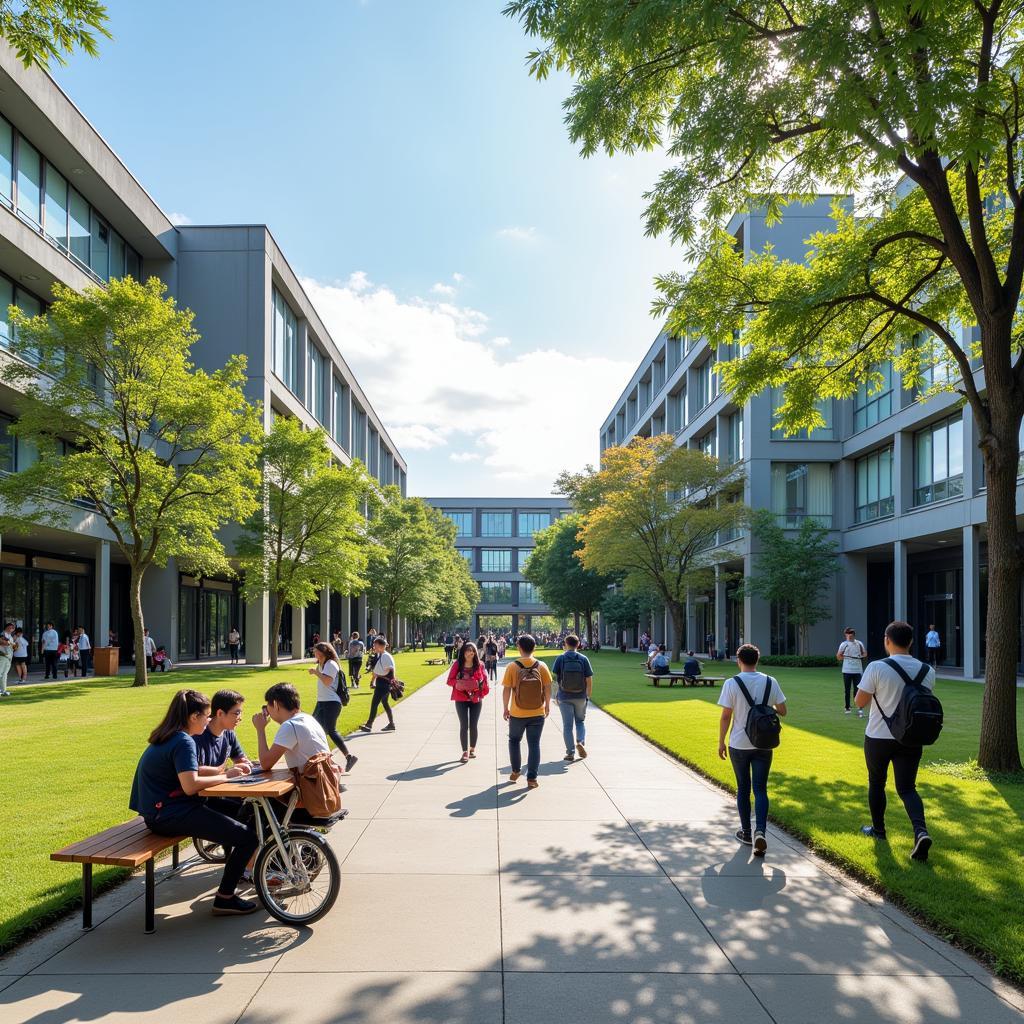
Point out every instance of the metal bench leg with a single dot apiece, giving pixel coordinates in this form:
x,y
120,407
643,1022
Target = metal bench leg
x,y
87,896
150,898
174,858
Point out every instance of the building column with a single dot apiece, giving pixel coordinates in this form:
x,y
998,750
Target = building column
x,y
360,623
720,610
691,623
901,585
101,596
257,630
515,624
854,594
757,626
346,615
298,631
971,628
325,614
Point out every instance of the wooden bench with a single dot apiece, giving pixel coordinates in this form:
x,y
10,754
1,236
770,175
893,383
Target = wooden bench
x,y
435,661
125,846
678,677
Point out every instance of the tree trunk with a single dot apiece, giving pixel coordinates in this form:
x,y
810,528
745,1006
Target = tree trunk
x,y
390,628
588,614
275,629
135,596
998,747
678,613
576,623
803,632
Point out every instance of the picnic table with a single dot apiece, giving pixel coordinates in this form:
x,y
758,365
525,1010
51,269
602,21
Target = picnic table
x,y
679,677
435,661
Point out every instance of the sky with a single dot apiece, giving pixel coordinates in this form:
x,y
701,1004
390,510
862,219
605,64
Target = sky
x,y
490,288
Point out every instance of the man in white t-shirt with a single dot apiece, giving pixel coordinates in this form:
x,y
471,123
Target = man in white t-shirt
x,y
882,687
852,654
84,651
49,642
383,675
148,648
750,763
299,736
6,656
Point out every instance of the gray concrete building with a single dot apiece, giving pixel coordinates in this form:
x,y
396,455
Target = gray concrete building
x,y
896,475
71,212
495,536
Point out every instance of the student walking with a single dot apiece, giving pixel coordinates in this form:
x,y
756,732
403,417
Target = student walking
x,y
852,654
468,681
526,694
356,648
21,654
740,698
234,639
882,687
933,643
49,642
575,684
383,676
84,651
331,697
148,648
491,658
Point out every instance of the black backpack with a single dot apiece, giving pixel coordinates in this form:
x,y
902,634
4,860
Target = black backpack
x,y
573,676
917,720
763,727
341,685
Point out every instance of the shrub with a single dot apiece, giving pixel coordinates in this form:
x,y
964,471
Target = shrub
x,y
799,661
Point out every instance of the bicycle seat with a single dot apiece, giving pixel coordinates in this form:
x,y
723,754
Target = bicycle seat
x,y
303,817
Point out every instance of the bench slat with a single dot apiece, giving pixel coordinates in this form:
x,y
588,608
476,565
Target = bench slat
x,y
127,845
114,834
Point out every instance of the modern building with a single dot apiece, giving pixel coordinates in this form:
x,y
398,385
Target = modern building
x,y
71,212
495,536
895,474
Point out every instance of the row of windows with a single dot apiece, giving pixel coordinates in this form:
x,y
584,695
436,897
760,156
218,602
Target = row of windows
x,y
499,524
32,187
500,592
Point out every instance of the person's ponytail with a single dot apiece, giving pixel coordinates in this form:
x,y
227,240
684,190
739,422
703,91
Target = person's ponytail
x,y
184,704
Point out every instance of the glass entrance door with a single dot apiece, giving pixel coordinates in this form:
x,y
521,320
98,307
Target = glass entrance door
x,y
940,605
53,603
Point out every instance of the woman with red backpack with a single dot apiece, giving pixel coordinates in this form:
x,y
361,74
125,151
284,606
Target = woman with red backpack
x,y
468,680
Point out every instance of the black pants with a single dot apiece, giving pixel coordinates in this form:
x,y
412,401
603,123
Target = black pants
x,y
850,682
326,713
905,761
214,820
49,664
469,720
85,657
492,668
381,692
355,666
233,648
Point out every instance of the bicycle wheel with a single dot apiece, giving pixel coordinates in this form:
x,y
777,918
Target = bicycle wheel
x,y
301,888
212,853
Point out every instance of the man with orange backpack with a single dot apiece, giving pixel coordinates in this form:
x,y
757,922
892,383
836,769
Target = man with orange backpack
x,y
526,692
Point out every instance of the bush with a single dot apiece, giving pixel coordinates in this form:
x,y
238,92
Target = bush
x,y
799,661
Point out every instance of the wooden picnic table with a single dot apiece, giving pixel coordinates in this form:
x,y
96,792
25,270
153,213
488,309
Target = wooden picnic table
x,y
278,782
679,677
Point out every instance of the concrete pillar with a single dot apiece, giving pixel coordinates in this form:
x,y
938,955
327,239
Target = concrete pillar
x,y
971,628
853,590
257,630
298,631
691,622
756,614
360,624
346,615
901,583
160,604
903,475
720,610
515,624
325,614
100,626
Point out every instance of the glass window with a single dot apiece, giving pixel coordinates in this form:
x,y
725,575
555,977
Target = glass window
x,y
495,524
874,498
78,223
6,160
873,402
529,594
495,560
341,413
822,433
6,301
702,386
463,523
30,306
285,345
533,522
30,181
133,264
56,206
8,463
99,247
496,593
939,461
467,554
117,255
802,490
735,439
315,382
706,444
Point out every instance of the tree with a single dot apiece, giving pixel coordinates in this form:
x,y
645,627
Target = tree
x,y
42,31
123,421
653,513
795,569
915,108
414,569
554,567
623,611
310,532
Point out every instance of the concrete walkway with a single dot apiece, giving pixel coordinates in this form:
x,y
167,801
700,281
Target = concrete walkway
x,y
614,893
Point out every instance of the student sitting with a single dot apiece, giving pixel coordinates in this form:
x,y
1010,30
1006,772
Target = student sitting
x,y
160,659
218,744
660,665
691,667
299,737
167,792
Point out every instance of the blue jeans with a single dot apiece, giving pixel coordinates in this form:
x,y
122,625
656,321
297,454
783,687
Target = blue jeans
x,y
751,768
574,709
533,728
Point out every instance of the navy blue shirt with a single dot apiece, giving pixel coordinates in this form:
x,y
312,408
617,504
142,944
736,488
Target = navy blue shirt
x,y
556,671
156,782
692,667
213,751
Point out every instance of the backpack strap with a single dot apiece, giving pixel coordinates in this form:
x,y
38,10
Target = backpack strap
x,y
743,690
901,672
769,683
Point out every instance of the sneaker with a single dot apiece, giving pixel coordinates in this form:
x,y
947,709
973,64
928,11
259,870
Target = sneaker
x,y
744,837
472,753
366,728
760,844
532,783
581,750
350,762
921,847
514,777
569,756
847,711
224,905
872,833
860,714
389,728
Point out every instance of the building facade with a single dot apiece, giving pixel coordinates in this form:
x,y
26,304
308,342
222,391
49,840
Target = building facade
x,y
495,536
896,475
71,212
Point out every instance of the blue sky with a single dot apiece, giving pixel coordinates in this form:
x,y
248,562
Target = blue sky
x,y
424,188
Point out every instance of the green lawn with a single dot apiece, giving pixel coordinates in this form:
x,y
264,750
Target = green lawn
x,y
71,751
972,888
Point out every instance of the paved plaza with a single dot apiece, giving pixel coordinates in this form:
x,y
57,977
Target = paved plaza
x,y
613,893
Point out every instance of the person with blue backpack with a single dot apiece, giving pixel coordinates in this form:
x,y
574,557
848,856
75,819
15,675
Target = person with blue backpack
x,y
905,718
575,678
752,704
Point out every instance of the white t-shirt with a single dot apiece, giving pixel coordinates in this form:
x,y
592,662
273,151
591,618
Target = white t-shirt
x,y
383,664
303,737
853,656
652,650
49,640
149,645
21,647
326,692
732,697
7,649
83,642
886,685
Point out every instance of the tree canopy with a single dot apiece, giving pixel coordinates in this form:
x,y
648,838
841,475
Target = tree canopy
x,y
46,31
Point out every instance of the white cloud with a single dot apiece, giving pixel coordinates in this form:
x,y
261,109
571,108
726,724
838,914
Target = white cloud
x,y
516,233
501,342
458,278
179,218
438,382
443,289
